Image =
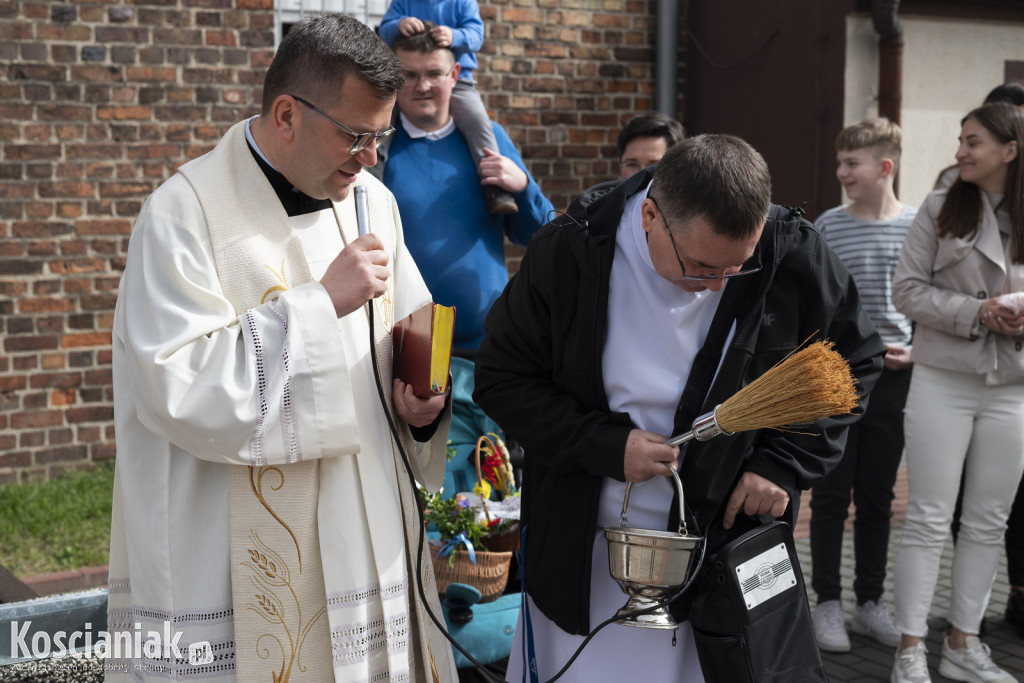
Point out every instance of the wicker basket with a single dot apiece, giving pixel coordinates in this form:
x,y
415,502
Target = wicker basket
x,y
506,542
489,575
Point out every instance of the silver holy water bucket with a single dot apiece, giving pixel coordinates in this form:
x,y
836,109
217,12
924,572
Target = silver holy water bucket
x,y
649,565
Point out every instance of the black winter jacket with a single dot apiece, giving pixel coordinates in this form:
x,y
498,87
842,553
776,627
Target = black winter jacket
x,y
539,376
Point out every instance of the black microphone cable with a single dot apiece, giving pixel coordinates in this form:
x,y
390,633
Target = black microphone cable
x,y
362,221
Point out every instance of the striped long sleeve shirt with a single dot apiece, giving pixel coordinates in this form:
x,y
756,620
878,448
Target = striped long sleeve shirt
x,y
870,250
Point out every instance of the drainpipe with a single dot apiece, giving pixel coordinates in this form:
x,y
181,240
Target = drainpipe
x,y
885,16
666,59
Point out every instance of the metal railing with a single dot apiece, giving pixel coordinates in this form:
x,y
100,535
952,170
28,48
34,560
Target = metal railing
x,y
288,12
47,624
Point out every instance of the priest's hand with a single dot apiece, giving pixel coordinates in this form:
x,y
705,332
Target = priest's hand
x,y
755,495
647,456
418,412
359,273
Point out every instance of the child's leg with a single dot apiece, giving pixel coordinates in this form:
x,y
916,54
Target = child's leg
x,y
471,119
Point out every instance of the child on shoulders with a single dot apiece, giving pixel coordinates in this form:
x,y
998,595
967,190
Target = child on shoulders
x,y
460,29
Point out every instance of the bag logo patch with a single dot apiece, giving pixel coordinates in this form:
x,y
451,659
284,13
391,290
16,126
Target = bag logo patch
x,y
764,576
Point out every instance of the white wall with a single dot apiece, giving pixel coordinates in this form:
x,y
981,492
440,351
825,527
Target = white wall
x,y
948,68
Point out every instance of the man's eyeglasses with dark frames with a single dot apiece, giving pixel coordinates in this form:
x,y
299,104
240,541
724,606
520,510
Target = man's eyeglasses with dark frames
x,y
361,140
431,78
704,278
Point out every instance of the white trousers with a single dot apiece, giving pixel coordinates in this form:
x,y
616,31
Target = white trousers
x,y
955,423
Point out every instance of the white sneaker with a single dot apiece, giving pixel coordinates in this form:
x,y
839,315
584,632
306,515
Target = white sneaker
x,y
829,629
911,665
874,620
973,663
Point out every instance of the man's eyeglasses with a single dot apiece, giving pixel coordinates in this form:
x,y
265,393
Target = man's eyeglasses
x,y
431,78
698,278
361,140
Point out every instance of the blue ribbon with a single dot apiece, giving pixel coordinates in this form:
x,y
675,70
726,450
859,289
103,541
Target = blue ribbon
x,y
454,543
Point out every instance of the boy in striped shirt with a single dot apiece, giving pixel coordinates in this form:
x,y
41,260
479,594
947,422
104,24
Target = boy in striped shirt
x,y
867,235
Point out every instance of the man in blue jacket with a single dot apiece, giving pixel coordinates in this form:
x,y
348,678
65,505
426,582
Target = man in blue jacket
x,y
457,244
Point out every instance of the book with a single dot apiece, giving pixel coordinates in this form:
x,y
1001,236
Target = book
x,y
423,349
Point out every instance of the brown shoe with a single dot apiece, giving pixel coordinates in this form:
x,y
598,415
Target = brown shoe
x,y
499,200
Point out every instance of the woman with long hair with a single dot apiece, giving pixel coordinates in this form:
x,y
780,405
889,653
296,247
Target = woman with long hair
x,y
965,409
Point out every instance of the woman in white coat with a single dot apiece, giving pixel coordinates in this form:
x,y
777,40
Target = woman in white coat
x,y
965,409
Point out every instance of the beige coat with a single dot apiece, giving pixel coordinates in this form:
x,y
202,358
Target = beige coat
x,y
940,284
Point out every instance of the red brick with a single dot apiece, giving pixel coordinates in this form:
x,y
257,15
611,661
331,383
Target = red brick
x,y
123,113
13,288
222,38
61,454
42,249
65,190
37,418
90,414
53,361
44,305
61,380
12,383
153,152
104,151
103,227
98,74
149,74
31,152
21,459
513,15
62,397
102,451
102,377
85,265
71,341
125,189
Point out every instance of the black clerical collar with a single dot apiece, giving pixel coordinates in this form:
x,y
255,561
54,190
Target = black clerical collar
x,y
295,202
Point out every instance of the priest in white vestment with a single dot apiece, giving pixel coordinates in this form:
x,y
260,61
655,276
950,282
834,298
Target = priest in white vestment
x,y
265,526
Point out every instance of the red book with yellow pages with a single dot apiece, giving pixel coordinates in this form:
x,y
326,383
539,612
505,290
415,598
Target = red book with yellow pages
x,y
423,349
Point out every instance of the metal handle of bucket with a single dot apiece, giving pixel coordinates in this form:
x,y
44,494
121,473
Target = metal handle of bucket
x,y
623,521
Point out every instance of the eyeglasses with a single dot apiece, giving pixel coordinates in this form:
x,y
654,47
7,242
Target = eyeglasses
x,y
361,140
698,278
431,78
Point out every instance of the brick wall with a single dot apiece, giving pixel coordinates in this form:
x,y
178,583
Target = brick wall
x,y
100,101
563,76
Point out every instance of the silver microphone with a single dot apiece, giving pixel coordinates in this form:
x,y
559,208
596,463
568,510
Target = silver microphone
x,y
362,211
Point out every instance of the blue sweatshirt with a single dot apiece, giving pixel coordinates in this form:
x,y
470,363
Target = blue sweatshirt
x,y
457,244
461,16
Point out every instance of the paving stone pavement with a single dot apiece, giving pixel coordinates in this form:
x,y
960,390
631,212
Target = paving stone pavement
x,y
871,661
